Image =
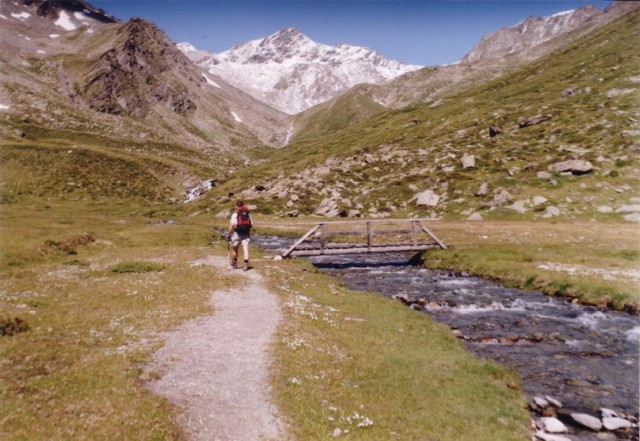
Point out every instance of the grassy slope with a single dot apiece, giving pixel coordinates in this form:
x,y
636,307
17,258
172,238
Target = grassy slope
x,y
422,145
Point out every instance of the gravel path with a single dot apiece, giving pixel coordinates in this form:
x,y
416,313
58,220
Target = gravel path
x,y
215,368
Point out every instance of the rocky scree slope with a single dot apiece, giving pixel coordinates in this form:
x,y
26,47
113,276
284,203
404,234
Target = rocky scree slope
x,y
555,139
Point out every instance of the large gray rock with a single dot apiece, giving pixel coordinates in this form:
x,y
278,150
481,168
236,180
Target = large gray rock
x,y
588,421
427,199
553,425
501,197
573,166
468,161
551,437
615,423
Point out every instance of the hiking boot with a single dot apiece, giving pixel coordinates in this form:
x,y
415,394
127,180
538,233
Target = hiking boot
x,y
234,263
246,267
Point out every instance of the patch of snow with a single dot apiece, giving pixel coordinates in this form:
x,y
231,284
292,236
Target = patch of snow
x,y
21,16
64,21
40,51
4,107
54,35
564,13
236,117
3,16
81,17
210,81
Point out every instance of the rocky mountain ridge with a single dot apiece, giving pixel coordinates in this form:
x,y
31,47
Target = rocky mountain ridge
x,y
292,73
529,33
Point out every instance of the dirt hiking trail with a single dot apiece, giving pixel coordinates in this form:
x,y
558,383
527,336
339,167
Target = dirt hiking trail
x,y
216,368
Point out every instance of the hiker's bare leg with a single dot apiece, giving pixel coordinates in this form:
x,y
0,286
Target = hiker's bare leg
x,y
245,253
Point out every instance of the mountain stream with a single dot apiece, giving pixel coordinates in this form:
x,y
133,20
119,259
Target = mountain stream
x,y
579,355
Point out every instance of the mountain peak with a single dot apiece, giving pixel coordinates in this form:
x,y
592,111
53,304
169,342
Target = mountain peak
x,y
290,72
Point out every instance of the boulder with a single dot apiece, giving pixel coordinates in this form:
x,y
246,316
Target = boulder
x,y
475,217
553,425
544,175
533,120
629,209
500,197
550,437
551,211
468,161
555,403
494,131
588,421
615,423
569,92
484,188
538,200
518,206
573,166
427,199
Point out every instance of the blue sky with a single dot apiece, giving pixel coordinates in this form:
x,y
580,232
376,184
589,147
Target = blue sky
x,y
424,32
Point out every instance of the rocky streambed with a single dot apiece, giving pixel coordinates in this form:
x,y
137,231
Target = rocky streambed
x,y
579,365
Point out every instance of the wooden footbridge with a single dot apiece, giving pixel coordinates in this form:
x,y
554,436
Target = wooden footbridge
x,y
363,237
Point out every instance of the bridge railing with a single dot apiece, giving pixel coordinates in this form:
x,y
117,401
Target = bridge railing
x,y
365,236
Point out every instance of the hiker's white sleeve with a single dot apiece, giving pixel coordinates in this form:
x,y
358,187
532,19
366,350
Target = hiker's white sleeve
x,y
234,219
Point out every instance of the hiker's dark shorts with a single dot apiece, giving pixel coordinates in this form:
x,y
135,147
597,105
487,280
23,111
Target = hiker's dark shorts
x,y
238,238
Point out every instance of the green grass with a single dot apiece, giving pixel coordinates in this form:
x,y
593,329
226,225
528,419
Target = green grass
x,y
378,370
90,319
591,263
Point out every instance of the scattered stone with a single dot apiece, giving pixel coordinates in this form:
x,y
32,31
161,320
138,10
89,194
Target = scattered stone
x,y
260,188
551,211
569,92
550,437
604,209
475,217
552,425
573,166
541,402
635,217
336,432
544,175
615,423
518,206
500,197
588,421
629,209
615,92
555,403
427,199
292,213
608,413
494,131
484,188
538,200
533,120
468,161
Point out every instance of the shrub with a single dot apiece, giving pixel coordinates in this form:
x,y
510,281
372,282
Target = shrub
x,y
136,267
12,326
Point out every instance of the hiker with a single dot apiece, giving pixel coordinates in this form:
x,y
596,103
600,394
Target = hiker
x,y
239,234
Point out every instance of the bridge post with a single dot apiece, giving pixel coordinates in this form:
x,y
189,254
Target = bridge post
x,y
368,236
414,233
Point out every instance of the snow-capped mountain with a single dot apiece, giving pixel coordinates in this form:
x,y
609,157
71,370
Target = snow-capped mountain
x,y
291,72
529,33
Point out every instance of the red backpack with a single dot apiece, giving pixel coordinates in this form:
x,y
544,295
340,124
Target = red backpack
x,y
243,221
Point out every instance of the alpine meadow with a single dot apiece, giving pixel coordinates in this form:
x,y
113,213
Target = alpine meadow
x,y
122,156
